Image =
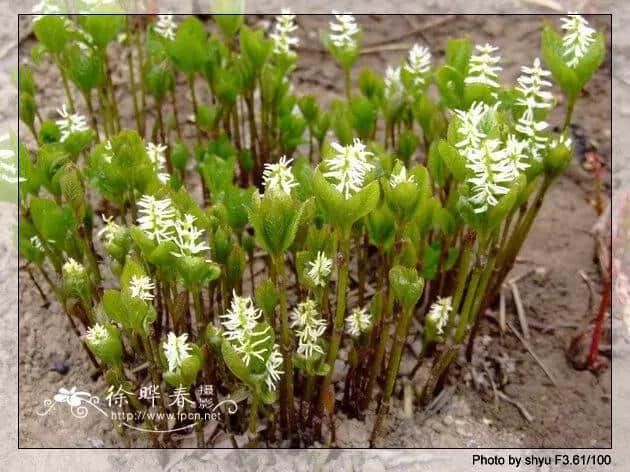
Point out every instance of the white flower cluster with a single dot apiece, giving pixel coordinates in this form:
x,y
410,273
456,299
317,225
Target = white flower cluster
x,y
187,237
320,269
158,159
577,39
165,26
394,89
439,311
530,86
272,367
281,35
418,64
96,334
348,167
483,67
278,176
110,230
8,167
141,287
402,177
72,268
159,220
343,34
358,322
494,166
176,350
70,122
309,327
37,243
240,321
156,218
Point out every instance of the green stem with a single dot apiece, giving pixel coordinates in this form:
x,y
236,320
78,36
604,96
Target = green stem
x,y
193,96
335,341
398,344
66,86
462,277
346,75
132,86
287,347
567,117
252,427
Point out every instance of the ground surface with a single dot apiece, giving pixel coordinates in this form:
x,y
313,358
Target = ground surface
x,y
576,413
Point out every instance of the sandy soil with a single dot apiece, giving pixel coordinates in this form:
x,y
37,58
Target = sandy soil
x,y
575,413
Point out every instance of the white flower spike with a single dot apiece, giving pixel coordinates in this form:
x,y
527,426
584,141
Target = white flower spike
x,y
348,167
156,217
278,176
282,39
309,327
141,287
272,368
439,312
165,26
483,67
109,231
8,165
577,39
402,177
176,350
320,269
96,334
70,123
343,34
187,237
241,318
358,322
72,268
418,64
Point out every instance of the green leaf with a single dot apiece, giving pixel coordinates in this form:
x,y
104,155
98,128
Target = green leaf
x,y
102,28
50,30
406,285
453,160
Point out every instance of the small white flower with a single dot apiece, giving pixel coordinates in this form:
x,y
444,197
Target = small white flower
x,y
348,167
72,268
309,327
483,67
141,287
402,177
107,155
8,164
358,322
70,122
439,311
469,127
165,26
561,140
343,34
282,39
279,176
320,269
176,350
577,39
187,237
394,89
532,129
272,368
530,85
514,154
96,334
36,243
241,318
110,230
156,155
248,345
492,171
157,217
418,64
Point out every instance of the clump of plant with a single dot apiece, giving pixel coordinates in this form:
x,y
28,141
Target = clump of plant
x,y
319,235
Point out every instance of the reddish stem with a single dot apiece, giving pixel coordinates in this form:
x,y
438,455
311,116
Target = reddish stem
x,y
593,363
